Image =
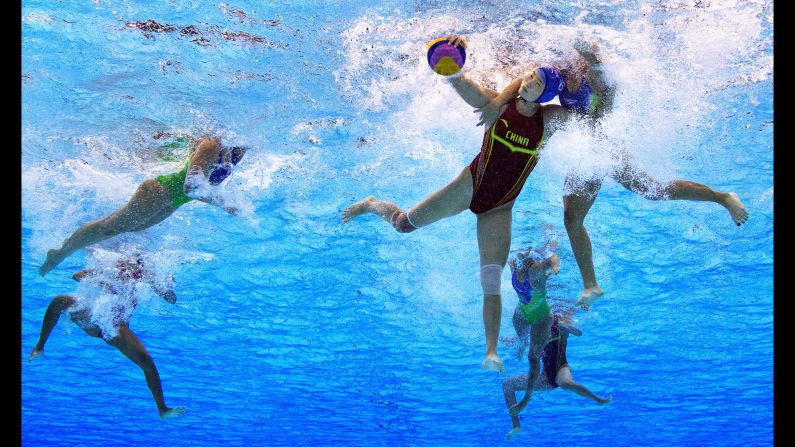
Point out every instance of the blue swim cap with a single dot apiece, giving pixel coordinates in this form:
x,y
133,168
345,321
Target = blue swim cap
x,y
553,84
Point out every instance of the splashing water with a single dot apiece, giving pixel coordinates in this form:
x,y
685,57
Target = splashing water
x,y
293,329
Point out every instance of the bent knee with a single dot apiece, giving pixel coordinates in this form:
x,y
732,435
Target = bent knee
x,y
63,301
400,220
565,384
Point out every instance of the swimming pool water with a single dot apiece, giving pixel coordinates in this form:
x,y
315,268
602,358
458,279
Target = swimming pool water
x,y
293,329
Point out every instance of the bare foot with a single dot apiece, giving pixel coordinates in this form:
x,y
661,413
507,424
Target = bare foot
x,y
554,264
604,401
53,259
516,431
35,354
357,209
171,412
588,296
736,208
492,363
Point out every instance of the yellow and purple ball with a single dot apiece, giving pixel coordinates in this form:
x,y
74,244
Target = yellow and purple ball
x,y
445,59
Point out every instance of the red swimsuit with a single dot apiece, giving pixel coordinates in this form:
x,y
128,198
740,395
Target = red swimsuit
x,y
508,155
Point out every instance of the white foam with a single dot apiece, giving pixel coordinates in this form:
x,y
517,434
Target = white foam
x,y
108,309
36,19
665,64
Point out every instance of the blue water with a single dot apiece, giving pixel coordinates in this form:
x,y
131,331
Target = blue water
x,y
293,329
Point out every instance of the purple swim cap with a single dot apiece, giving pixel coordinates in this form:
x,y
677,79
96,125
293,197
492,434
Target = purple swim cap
x,y
553,84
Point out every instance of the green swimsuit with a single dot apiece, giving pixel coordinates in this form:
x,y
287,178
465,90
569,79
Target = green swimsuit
x,y
175,183
537,308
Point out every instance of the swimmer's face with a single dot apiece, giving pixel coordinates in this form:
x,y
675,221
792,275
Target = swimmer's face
x,y
532,86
